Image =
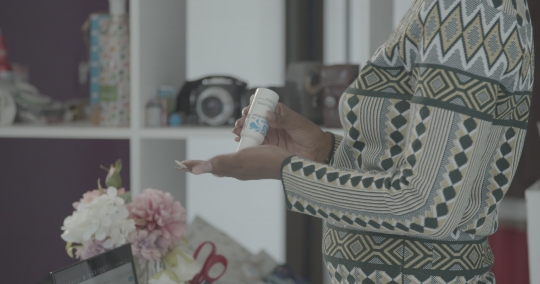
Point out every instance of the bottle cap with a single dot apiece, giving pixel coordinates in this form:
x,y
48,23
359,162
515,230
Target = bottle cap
x,y
267,93
117,7
246,142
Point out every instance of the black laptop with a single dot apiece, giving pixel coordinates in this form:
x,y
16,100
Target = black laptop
x,y
113,267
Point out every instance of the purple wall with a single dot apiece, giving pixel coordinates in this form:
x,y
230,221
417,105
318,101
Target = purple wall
x,y
40,178
46,36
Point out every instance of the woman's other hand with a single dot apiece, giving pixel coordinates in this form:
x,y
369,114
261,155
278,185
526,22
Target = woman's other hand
x,y
261,162
293,132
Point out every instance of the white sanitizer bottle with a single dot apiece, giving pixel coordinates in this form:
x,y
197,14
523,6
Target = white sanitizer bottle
x,y
255,127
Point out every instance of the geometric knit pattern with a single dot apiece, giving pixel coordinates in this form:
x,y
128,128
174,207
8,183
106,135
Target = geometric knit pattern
x,y
434,126
359,257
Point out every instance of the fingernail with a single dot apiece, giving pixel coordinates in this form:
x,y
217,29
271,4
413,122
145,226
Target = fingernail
x,y
271,116
204,168
180,164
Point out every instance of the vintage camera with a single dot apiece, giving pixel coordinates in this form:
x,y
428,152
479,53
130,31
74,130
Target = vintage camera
x,y
335,80
304,90
213,100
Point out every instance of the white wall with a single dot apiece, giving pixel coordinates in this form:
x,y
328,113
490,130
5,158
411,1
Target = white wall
x,y
242,38
368,27
251,212
334,32
400,8
359,16
335,21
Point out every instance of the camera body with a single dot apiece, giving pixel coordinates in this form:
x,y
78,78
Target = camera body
x,y
212,100
335,79
304,91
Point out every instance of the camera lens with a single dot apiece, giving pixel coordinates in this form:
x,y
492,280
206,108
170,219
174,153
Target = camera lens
x,y
215,106
212,106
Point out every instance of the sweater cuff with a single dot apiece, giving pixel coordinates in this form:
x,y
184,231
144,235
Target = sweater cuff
x,y
284,164
336,141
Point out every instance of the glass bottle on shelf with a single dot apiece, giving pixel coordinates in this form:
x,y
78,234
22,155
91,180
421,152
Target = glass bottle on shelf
x,y
114,73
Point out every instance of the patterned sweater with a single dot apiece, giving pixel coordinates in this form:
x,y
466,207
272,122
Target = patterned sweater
x,y
433,126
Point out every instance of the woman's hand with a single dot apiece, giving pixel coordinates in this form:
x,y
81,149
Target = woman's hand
x,y
292,132
261,162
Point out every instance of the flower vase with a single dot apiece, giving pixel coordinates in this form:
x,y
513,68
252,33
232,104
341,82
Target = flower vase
x,y
147,270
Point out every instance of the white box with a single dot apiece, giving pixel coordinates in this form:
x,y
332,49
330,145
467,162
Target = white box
x,y
532,199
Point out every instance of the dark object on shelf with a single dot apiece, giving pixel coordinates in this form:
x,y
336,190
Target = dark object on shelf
x,y
213,100
304,78
35,107
285,275
335,80
75,109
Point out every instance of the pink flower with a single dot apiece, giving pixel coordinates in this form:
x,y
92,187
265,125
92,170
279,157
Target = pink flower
x,y
90,249
145,245
91,195
154,210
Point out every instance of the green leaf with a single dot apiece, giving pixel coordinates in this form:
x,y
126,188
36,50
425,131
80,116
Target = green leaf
x,y
99,186
114,179
170,259
126,196
118,166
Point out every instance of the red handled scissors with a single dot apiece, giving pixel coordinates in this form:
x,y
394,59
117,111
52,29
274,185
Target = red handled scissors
x,y
204,277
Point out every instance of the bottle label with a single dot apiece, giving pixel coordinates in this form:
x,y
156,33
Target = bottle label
x,y
259,125
258,119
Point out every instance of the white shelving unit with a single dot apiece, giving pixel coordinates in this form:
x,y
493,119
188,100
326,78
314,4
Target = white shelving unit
x,y
251,212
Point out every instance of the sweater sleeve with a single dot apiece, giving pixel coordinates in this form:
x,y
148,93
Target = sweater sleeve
x,y
447,145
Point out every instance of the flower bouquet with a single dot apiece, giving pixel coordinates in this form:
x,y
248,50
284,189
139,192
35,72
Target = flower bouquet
x,y
153,222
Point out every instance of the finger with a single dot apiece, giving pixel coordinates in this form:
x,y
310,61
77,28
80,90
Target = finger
x,y
251,99
179,164
190,164
223,165
237,139
287,119
240,122
245,110
182,169
278,118
204,167
238,125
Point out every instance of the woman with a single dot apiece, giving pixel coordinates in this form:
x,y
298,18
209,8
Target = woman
x,y
433,131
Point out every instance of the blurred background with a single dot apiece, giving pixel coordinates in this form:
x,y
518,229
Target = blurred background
x,y
44,168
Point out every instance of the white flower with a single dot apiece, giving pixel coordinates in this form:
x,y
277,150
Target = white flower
x,y
182,264
103,219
